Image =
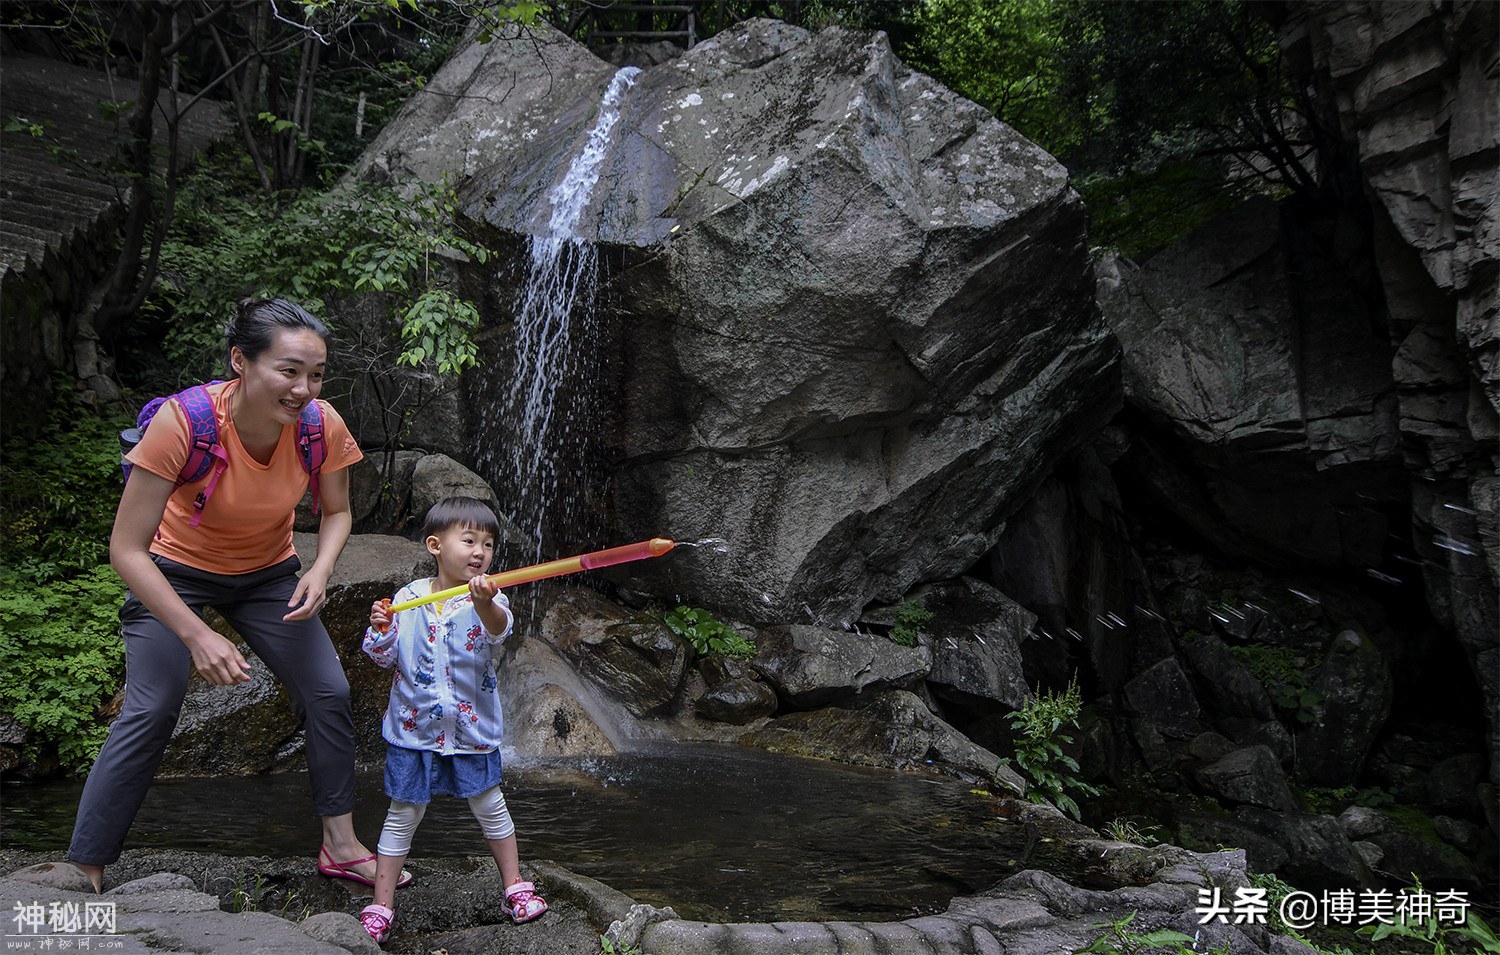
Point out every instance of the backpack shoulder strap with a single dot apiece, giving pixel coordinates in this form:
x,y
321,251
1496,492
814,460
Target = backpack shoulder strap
x,y
205,453
312,447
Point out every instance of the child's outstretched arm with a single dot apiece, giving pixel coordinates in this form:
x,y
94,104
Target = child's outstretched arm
x,y
380,640
492,607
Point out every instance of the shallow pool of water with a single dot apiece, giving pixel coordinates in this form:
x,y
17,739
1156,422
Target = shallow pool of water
x,y
721,833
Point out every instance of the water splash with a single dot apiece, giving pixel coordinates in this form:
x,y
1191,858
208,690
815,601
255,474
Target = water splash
x,y
542,470
716,544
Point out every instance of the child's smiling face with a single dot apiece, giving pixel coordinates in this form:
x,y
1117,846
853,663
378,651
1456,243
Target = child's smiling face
x,y
461,553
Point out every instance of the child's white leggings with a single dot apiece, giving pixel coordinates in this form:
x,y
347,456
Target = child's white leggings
x,y
402,819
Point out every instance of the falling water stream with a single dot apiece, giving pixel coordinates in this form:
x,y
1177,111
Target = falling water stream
x,y
550,407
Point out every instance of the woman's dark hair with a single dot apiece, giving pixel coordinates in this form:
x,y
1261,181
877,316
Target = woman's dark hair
x,y
453,512
257,321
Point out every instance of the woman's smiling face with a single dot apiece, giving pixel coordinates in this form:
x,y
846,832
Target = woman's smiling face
x,y
280,381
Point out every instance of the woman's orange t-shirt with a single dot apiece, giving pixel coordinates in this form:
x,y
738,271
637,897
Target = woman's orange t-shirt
x,y
247,523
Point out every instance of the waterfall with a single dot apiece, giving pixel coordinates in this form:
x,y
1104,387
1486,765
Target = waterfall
x,y
549,409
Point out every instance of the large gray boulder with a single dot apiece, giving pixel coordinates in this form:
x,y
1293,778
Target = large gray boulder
x,y
1251,776
894,730
1310,851
855,318
815,666
1164,695
1226,686
976,637
640,663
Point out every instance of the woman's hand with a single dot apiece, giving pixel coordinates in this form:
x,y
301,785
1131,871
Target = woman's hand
x,y
218,660
310,596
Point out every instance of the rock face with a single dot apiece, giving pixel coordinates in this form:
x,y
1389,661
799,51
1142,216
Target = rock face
x,y
1264,414
976,656
893,730
1355,686
813,666
855,312
1415,93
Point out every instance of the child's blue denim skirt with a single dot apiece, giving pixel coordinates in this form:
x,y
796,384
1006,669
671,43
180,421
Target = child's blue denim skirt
x,y
416,775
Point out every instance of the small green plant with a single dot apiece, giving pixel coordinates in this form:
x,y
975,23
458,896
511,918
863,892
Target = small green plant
x,y
1445,937
1332,801
1279,672
261,897
707,635
911,622
1039,744
1118,939
607,947
1121,829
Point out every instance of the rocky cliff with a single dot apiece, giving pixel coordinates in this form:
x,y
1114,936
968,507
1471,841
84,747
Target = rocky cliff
x,y
853,318
1416,88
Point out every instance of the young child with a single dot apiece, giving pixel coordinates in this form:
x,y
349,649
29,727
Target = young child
x,y
443,724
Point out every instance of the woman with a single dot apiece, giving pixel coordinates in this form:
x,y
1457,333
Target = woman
x,y
236,556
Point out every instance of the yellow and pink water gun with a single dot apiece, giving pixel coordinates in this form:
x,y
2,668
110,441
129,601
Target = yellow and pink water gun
x,y
641,550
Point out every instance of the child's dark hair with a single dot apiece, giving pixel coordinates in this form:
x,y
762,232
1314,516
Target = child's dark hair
x,y
453,512
257,320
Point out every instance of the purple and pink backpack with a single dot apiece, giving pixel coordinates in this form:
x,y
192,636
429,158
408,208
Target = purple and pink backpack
x,y
206,454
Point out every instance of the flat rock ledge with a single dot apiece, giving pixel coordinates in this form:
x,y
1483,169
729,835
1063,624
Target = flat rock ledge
x,y
177,901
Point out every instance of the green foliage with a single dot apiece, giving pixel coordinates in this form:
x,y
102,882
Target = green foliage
x,y
707,635
1331,801
1279,671
1170,79
1039,742
1118,939
912,619
60,654
58,495
35,128
61,659
229,243
437,328
1004,55
261,896
1138,212
1445,938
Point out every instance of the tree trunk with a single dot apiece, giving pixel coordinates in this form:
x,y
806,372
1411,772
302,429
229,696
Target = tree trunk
x,y
156,23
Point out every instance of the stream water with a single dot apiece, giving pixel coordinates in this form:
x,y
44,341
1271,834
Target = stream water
x,y
721,833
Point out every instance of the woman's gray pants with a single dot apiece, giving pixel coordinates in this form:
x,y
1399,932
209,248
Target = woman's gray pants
x,y
157,667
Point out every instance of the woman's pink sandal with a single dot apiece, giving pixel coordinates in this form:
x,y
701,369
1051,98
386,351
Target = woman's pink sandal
x,y
524,903
377,920
345,870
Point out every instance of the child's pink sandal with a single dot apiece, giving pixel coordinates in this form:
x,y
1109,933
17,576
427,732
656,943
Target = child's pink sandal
x,y
377,921
524,903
